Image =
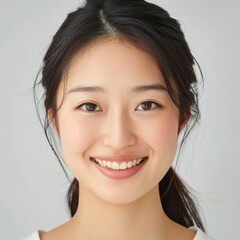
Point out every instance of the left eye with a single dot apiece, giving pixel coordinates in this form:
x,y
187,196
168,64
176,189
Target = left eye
x,y
88,107
146,106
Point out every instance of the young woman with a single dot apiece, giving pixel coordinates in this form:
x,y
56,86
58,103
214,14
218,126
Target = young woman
x,y
119,88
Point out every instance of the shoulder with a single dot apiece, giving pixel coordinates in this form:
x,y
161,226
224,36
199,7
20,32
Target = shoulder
x,y
200,235
35,235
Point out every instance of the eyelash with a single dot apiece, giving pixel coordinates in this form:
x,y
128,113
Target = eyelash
x,y
89,103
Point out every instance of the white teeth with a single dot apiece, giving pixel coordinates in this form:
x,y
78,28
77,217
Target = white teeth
x,y
123,165
117,166
129,164
104,163
109,164
134,162
138,161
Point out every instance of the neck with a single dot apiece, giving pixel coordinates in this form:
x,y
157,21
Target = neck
x,y
97,219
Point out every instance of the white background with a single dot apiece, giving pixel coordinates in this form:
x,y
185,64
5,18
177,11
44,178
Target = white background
x,y
32,184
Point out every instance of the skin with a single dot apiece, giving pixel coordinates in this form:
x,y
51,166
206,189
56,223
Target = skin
x,y
129,208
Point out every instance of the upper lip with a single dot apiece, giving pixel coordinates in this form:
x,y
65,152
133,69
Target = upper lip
x,y
118,159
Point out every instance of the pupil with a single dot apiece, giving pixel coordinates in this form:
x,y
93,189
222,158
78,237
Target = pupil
x,y
91,108
147,105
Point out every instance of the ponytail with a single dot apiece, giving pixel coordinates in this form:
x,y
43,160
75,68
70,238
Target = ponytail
x,y
176,199
73,196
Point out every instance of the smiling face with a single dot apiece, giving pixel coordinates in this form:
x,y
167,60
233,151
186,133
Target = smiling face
x,y
105,112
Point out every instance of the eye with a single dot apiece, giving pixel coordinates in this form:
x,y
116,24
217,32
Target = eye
x,y
146,106
88,107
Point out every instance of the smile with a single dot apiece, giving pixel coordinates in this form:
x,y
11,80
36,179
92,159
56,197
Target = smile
x,y
122,170
119,166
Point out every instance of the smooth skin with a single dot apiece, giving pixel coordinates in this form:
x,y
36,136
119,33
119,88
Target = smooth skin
x,y
117,121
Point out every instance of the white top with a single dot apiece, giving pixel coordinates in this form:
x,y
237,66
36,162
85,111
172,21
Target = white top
x,y
200,235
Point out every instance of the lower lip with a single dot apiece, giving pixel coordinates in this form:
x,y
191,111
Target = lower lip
x,y
119,174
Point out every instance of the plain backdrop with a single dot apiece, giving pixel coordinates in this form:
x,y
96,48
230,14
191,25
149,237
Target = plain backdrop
x,y
32,184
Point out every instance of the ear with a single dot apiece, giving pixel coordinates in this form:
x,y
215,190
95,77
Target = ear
x,y
53,121
183,124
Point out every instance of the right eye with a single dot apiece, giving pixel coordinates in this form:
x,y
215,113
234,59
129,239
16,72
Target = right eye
x,y
88,107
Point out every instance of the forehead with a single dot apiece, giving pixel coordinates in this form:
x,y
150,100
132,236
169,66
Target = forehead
x,y
111,61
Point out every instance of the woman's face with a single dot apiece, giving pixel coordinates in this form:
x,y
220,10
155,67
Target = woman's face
x,y
114,120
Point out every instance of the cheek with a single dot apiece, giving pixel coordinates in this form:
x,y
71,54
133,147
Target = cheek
x,y
75,135
162,141
162,134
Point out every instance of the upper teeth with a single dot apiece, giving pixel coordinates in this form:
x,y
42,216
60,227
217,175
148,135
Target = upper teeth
x,y
116,166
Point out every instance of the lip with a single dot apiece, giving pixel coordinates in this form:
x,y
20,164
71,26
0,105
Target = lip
x,y
119,174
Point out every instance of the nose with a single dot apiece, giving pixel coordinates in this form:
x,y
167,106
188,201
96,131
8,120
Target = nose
x,y
118,131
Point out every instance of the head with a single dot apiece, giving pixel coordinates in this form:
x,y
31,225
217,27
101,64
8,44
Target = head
x,y
118,46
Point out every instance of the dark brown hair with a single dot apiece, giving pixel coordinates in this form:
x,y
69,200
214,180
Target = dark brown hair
x,y
150,28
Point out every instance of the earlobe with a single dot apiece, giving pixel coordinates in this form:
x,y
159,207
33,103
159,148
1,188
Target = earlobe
x,y
183,124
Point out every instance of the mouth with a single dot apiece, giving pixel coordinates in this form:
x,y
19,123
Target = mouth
x,y
119,166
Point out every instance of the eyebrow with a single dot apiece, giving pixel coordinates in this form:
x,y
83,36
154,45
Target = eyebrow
x,y
144,88
137,89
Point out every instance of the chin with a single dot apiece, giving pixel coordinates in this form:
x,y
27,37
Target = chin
x,y
120,196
